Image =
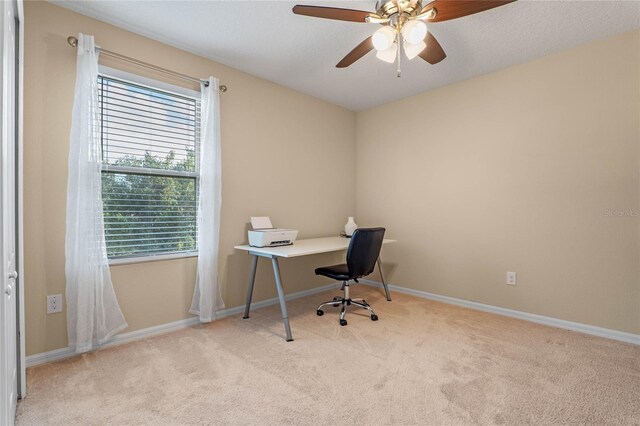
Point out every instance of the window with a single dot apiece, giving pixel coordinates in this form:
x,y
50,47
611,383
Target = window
x,y
150,160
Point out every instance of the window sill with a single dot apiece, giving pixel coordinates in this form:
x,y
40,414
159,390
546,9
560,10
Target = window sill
x,y
156,258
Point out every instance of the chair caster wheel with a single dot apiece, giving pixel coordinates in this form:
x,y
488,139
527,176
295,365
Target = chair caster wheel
x,y
320,312
343,322
374,317
335,305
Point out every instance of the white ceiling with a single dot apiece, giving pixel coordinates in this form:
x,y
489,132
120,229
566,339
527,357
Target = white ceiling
x,y
266,39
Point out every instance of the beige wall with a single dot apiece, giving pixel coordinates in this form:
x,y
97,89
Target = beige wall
x,y
284,155
515,171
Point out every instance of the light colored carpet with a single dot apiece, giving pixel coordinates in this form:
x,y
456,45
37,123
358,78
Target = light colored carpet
x,y
422,363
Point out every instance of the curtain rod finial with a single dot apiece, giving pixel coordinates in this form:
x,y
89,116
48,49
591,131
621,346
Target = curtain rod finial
x,y
72,41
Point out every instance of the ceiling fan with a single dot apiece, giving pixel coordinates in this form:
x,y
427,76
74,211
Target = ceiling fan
x,y
403,26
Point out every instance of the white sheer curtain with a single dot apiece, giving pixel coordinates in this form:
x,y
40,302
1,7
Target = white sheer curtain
x,y
206,296
93,314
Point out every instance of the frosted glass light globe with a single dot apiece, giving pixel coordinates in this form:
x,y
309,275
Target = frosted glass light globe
x,y
413,50
414,31
383,38
389,54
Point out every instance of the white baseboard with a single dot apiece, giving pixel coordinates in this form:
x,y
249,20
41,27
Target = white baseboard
x,y
58,354
540,319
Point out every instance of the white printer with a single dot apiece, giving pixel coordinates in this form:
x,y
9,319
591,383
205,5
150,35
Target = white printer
x,y
265,235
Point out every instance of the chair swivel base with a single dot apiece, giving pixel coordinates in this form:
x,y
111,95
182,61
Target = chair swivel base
x,y
337,301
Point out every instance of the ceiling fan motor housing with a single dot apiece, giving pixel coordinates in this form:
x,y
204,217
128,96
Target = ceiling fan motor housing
x,y
389,8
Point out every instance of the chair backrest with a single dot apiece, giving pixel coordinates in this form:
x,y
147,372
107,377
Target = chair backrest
x,y
363,251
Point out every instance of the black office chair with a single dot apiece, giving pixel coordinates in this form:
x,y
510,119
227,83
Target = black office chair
x,y
362,255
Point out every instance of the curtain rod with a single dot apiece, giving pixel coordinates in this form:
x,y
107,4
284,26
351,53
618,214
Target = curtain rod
x,y
73,41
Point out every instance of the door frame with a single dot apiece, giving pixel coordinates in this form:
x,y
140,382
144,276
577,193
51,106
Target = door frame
x,y
13,206
18,12
20,293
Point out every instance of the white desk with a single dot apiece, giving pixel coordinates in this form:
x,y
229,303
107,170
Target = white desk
x,y
299,248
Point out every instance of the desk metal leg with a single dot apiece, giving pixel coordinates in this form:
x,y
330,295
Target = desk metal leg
x,y
252,280
384,284
283,306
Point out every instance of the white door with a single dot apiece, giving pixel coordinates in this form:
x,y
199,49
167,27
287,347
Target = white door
x,y
8,334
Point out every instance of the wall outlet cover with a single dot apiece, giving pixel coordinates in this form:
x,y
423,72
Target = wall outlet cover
x,y
511,278
54,303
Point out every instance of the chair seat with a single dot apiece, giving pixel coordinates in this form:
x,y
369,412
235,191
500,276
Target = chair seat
x,y
337,272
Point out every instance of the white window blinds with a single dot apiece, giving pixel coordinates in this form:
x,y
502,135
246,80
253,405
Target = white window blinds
x,y
150,143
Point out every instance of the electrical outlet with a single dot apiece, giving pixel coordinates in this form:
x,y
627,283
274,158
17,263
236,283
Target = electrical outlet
x,y
54,303
511,278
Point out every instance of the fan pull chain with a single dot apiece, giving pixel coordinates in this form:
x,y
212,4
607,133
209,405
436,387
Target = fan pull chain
x,y
399,42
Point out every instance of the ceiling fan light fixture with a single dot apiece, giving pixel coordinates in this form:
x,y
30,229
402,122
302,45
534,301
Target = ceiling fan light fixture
x,y
414,31
383,38
389,54
413,50
403,25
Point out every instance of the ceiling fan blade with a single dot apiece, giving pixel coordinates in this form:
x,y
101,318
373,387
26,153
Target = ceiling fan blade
x,y
358,52
453,9
332,13
433,53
